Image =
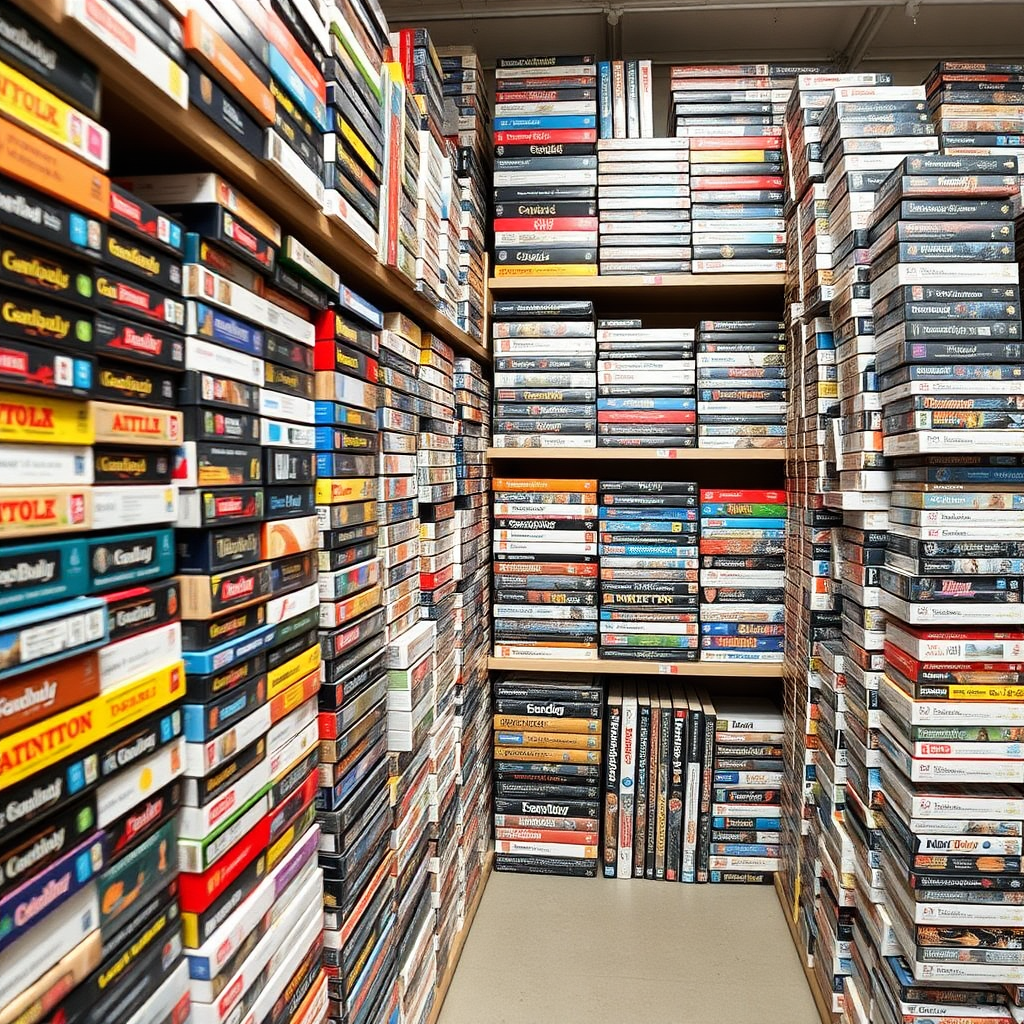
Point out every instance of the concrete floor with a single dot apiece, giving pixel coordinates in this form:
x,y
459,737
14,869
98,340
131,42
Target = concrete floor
x,y
590,951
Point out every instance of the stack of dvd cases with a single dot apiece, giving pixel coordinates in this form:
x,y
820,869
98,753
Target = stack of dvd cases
x,y
731,116
547,768
977,254
248,580
354,143
545,379
468,124
643,197
353,808
745,836
625,96
396,244
398,414
544,539
411,662
978,108
748,412
545,176
649,586
648,374
741,610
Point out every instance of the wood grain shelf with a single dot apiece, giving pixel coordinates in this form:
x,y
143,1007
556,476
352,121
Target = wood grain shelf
x,y
683,291
142,112
638,454
820,1002
692,669
455,955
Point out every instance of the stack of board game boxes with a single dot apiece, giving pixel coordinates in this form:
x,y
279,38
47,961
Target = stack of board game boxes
x,y
731,116
741,366
815,543
250,597
643,199
625,97
646,381
951,581
467,123
547,774
545,173
977,108
92,742
545,374
742,611
546,541
649,587
472,618
353,810
691,786
354,141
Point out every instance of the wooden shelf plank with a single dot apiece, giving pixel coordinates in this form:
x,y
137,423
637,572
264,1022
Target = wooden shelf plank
x,y
212,150
441,990
638,454
697,669
821,1003
680,282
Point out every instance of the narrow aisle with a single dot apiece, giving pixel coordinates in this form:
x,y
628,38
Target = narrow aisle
x,y
586,951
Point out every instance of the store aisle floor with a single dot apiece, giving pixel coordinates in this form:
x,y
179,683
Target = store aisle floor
x,y
590,951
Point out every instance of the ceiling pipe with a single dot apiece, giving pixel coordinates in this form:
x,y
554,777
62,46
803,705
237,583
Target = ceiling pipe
x,y
539,8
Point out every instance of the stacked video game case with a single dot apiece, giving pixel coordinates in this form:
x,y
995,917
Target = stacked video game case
x,y
748,412
353,810
472,617
397,243
545,538
648,557
545,360
978,108
741,611
643,198
547,774
91,674
468,124
625,93
731,115
248,580
354,142
745,836
657,783
545,173
646,383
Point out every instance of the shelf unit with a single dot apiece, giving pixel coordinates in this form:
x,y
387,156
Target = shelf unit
x,y
638,454
694,669
173,139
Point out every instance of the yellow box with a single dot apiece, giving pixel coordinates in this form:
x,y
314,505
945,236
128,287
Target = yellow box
x,y
45,420
34,748
33,511
38,109
290,672
334,492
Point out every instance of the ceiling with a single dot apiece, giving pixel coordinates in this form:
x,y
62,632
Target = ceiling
x,y
866,34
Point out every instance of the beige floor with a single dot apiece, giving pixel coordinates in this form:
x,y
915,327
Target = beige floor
x,y
590,951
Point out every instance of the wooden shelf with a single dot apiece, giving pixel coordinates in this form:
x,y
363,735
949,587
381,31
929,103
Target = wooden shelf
x,y
441,990
686,290
820,1002
208,148
638,454
694,669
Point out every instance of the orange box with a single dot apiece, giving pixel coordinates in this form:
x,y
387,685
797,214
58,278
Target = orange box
x,y
506,484
28,159
204,43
